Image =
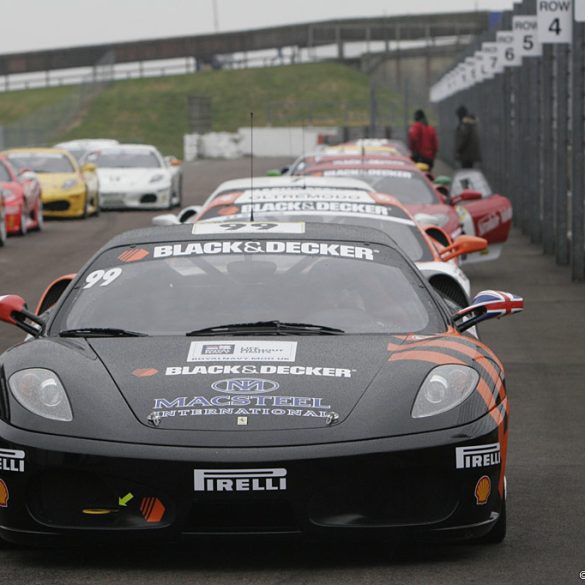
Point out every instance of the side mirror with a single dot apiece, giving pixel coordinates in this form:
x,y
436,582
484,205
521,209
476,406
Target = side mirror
x,y
438,234
488,304
173,161
89,168
466,196
53,293
442,190
13,310
273,173
463,245
26,174
442,180
424,167
165,220
186,214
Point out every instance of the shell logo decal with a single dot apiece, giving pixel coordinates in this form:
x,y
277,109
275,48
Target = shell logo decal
x,y
483,489
4,494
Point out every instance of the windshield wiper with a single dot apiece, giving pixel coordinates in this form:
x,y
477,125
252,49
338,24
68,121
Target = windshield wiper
x,y
267,328
100,332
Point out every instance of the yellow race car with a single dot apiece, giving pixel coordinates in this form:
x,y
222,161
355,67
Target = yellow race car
x,y
68,190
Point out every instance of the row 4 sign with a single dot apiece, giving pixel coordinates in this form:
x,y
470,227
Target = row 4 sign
x,y
555,21
579,10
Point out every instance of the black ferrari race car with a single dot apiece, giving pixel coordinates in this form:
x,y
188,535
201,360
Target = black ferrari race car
x,y
282,378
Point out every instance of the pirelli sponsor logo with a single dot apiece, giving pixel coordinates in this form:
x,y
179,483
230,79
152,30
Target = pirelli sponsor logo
x,y
240,480
477,456
12,460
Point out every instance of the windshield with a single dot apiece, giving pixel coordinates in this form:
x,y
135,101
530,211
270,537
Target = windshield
x,y
42,162
405,185
388,219
124,159
175,288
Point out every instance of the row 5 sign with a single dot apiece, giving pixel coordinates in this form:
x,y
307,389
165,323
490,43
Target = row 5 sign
x,y
555,21
526,43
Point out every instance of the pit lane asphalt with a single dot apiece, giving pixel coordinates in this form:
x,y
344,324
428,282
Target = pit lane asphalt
x,y
543,351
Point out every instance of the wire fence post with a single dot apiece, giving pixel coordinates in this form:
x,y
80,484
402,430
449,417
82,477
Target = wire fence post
x,y
561,166
578,155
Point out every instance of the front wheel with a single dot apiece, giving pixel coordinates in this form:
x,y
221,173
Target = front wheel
x,y
85,212
3,233
23,229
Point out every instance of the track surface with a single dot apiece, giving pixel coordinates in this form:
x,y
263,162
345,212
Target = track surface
x,y
544,353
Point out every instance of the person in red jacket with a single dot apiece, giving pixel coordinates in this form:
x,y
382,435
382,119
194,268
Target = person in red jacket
x,y
422,140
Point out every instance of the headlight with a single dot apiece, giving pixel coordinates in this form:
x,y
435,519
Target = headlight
x,y
444,388
40,391
69,184
156,178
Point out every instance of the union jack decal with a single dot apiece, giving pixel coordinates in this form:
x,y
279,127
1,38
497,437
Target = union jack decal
x,y
497,304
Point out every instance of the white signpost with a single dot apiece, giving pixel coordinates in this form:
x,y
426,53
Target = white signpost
x,y
555,21
579,10
490,51
526,43
507,56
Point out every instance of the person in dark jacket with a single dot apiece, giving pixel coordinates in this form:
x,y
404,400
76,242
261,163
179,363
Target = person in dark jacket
x,y
467,147
422,140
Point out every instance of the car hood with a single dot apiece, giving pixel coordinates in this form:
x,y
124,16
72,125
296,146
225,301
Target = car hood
x,y
124,178
271,383
54,181
324,389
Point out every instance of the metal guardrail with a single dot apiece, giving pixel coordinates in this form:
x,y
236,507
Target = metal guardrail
x,y
532,128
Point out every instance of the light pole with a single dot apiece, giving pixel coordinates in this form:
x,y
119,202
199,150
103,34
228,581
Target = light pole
x,y
215,16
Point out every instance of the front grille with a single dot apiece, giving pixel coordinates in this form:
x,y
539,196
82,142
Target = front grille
x,y
56,206
242,516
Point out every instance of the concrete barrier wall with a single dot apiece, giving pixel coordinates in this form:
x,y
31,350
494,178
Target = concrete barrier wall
x,y
291,141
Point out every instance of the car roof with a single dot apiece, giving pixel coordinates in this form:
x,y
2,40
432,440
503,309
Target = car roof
x,y
293,181
85,142
38,149
313,231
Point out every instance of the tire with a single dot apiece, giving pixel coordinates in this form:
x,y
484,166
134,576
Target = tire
x,y
39,217
23,229
178,196
3,234
85,213
498,533
96,213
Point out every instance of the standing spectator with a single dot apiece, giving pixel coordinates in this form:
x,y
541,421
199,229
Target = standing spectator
x,y
467,148
422,140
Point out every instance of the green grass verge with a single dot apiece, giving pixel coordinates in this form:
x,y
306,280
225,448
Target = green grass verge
x,y
155,110
15,105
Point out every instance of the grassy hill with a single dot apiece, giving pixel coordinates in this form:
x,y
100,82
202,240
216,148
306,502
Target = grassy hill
x,y
155,110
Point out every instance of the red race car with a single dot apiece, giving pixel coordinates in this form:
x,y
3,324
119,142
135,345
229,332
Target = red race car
x,y
22,199
401,180
482,212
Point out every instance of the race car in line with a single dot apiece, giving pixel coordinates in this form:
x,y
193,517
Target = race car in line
x,y
482,212
22,194
337,201
68,190
135,176
406,183
79,148
285,378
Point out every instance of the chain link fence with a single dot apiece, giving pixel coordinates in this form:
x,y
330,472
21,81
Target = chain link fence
x,y
44,125
532,126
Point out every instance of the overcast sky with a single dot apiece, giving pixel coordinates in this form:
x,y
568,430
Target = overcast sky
x,y
39,24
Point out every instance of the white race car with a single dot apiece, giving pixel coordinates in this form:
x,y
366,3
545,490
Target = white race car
x,y
135,176
79,148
